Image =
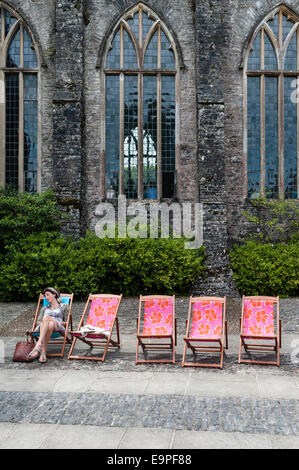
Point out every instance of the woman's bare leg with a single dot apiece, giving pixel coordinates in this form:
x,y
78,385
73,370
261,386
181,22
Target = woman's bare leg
x,y
48,325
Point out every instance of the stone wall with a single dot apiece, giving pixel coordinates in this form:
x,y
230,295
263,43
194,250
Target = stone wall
x,y
68,111
211,36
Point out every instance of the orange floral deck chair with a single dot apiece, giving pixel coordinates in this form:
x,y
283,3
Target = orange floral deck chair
x,y
156,327
206,323
260,322
97,331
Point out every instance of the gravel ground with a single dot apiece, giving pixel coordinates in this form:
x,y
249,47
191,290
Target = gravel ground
x,y
231,414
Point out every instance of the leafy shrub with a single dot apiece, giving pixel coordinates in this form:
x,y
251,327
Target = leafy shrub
x,y
273,220
266,269
23,213
127,266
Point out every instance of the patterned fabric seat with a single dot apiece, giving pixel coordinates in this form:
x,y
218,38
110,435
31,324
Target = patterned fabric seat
x,y
260,321
205,324
206,320
158,316
258,318
156,327
102,316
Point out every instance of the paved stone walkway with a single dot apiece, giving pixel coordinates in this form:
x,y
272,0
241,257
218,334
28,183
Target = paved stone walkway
x,y
121,405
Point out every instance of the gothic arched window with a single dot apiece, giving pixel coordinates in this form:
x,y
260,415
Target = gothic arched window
x,y
141,69
272,109
18,103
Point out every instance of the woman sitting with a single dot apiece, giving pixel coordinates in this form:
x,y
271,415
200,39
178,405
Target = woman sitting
x,y
51,318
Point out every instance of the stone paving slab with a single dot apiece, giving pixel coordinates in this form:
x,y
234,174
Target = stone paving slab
x,y
53,436
56,436
190,383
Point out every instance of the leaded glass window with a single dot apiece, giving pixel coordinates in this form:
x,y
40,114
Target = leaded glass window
x,y
141,73
272,105
18,104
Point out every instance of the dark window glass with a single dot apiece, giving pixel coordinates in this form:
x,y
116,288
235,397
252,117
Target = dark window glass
x,y
130,58
30,132
254,132
112,135
12,128
290,61
9,20
271,136
151,53
131,137
147,23
290,141
150,137
134,24
30,60
167,56
274,25
270,62
286,26
254,59
113,57
13,55
168,136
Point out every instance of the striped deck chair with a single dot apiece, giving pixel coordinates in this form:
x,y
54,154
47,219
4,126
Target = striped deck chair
x,y
102,315
206,323
156,327
56,337
259,323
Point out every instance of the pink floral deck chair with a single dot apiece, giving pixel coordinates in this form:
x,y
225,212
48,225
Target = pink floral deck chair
x,y
206,330
97,331
259,323
156,327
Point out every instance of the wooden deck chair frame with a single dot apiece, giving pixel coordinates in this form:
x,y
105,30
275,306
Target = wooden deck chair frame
x,y
97,340
69,323
195,344
260,347
156,346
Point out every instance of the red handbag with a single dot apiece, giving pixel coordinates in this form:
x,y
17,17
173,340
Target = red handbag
x,y
23,348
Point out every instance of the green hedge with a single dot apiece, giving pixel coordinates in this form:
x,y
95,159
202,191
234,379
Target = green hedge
x,y
24,213
127,266
266,269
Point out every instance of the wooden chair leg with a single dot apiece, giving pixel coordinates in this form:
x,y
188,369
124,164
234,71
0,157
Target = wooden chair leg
x,y
226,335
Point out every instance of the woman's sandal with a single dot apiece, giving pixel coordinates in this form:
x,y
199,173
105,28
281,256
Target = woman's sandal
x,y
42,358
34,353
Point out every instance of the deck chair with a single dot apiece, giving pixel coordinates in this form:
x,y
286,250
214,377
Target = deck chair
x,y
102,314
206,323
56,337
258,324
156,327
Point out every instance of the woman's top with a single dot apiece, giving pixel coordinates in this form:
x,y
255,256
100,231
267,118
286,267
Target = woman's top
x,y
57,313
